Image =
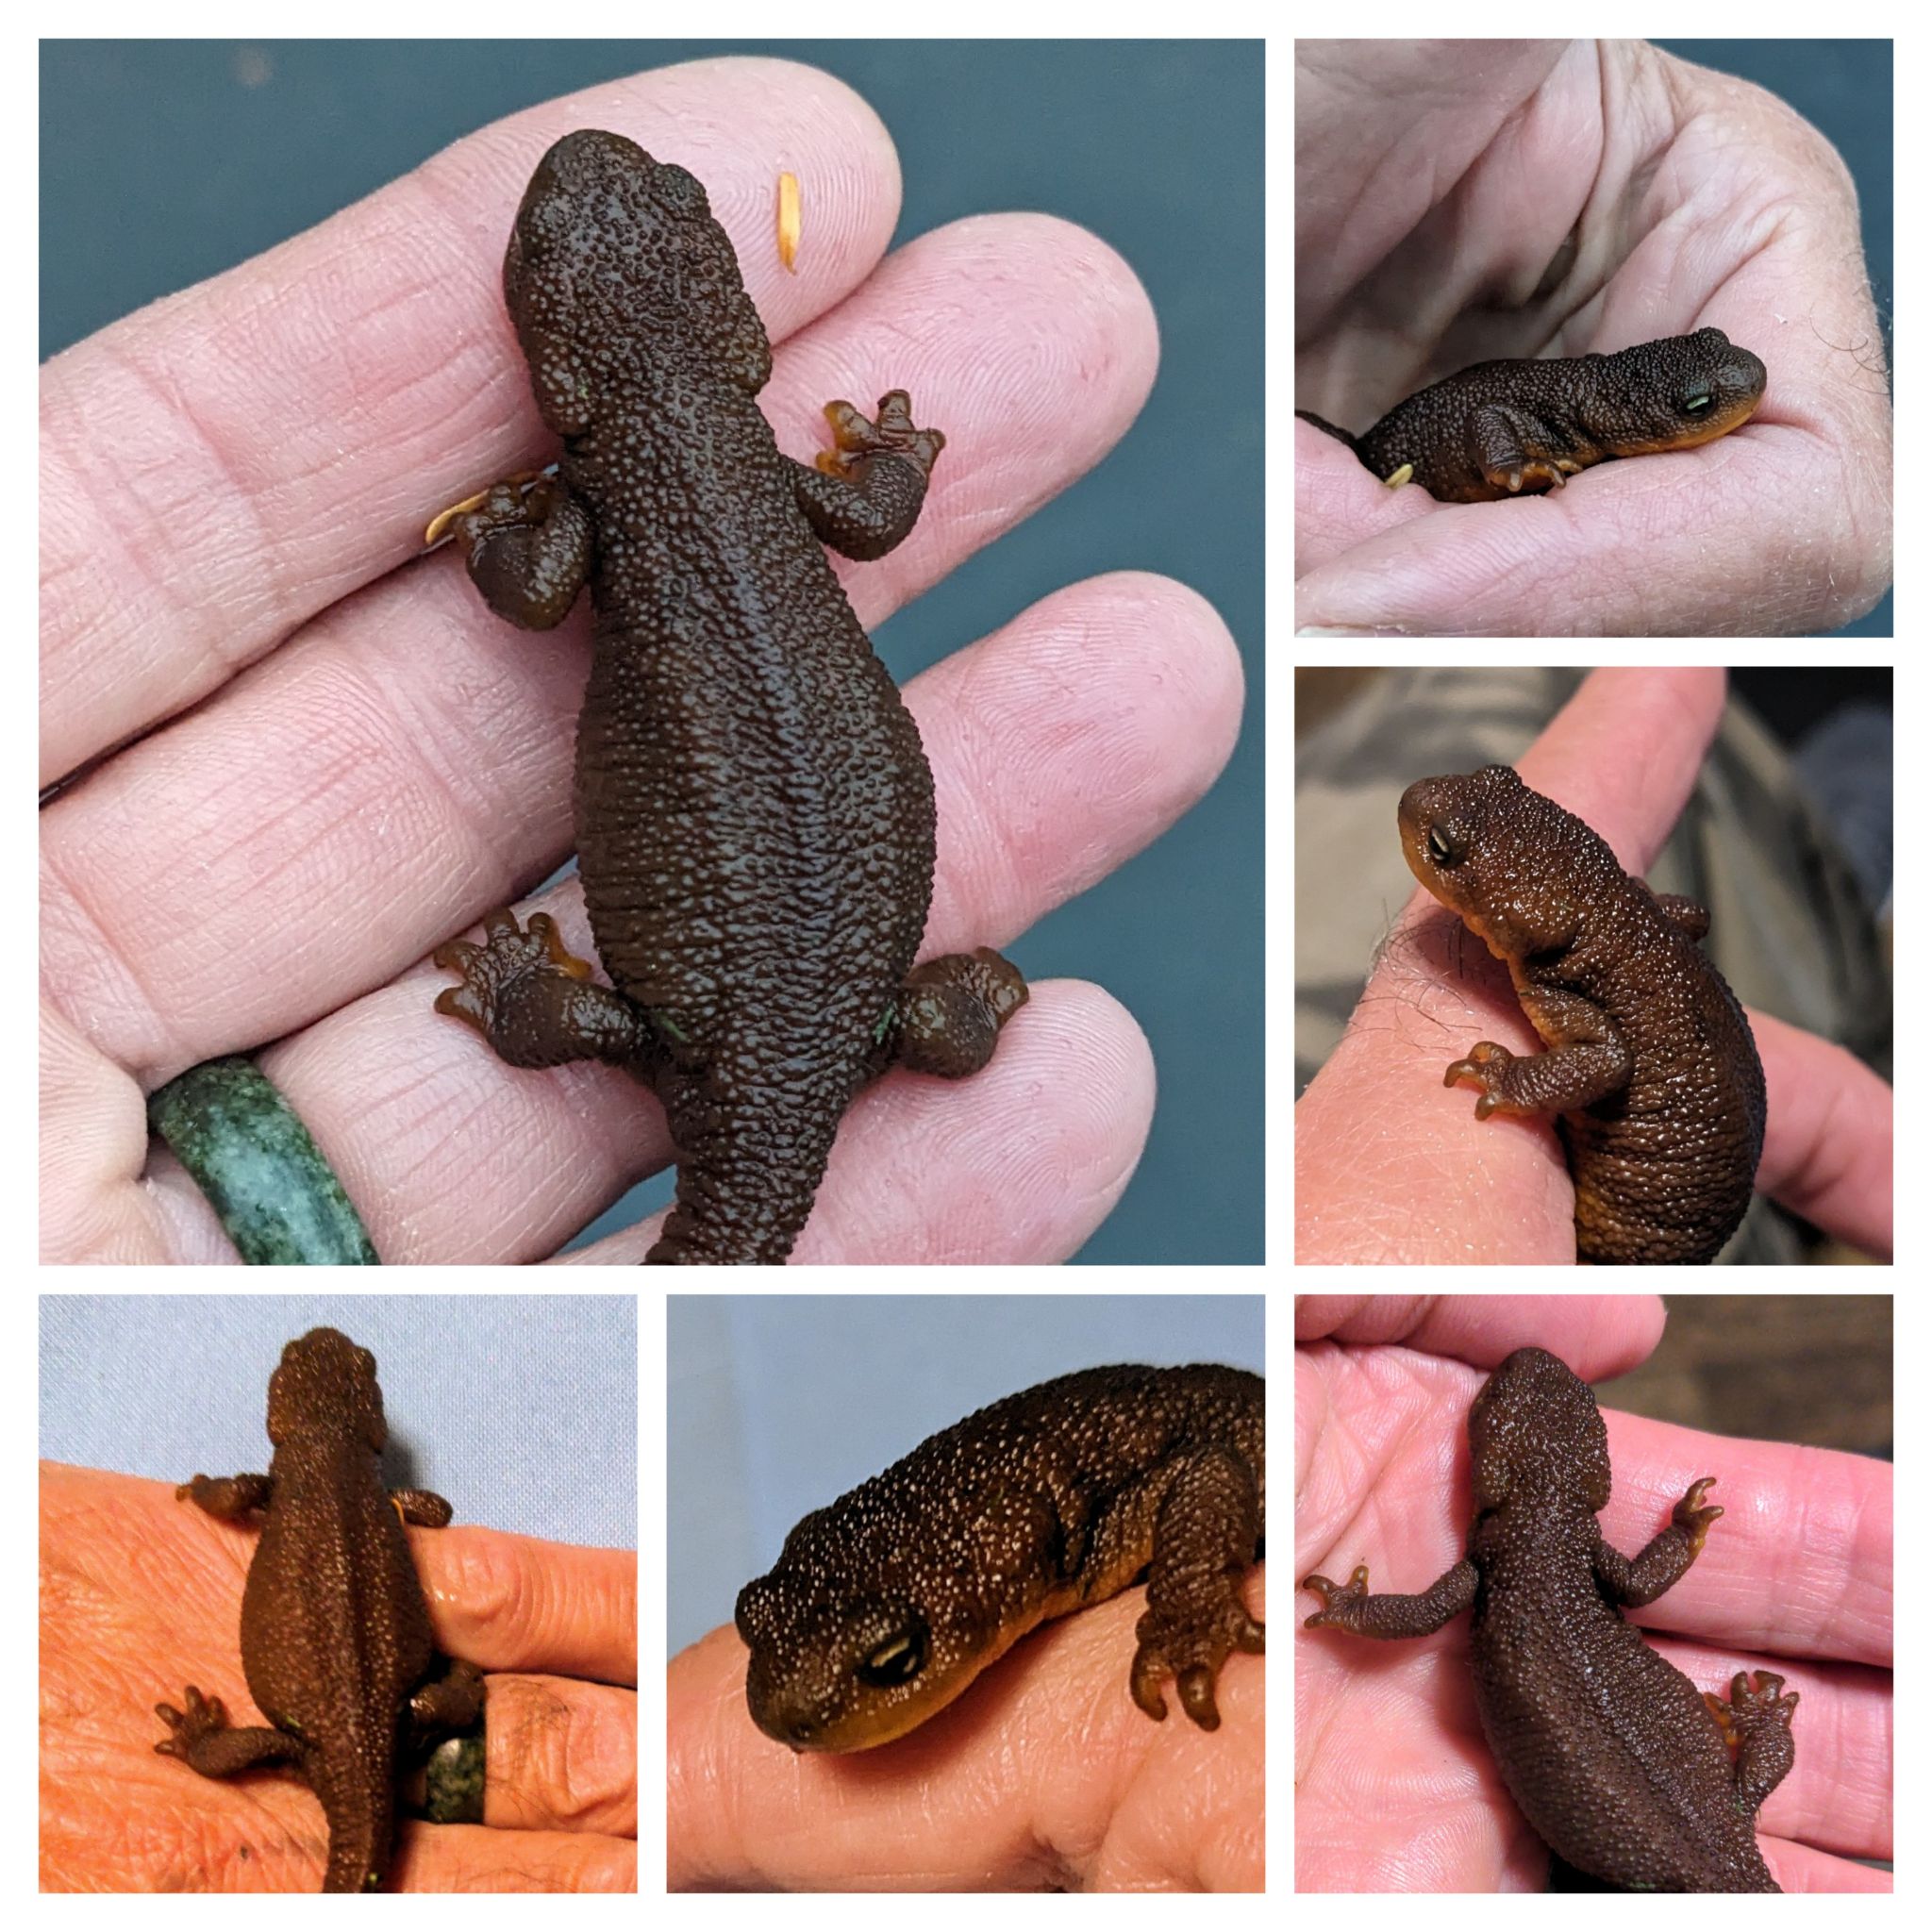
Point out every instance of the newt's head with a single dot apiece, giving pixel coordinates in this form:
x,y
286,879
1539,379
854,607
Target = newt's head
x,y
616,267
872,1618
326,1379
842,1655
1673,394
1517,868
1536,1429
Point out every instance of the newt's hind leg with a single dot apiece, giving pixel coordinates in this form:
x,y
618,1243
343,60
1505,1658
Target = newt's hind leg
x,y
536,1004
202,1738
949,1014
1757,1721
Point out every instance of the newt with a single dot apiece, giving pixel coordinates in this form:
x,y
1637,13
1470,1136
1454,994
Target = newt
x,y
336,1642
1622,1768
754,819
885,1605
1518,427
1650,1065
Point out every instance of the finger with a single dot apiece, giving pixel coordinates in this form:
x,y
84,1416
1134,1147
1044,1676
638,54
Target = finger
x,y
1828,1135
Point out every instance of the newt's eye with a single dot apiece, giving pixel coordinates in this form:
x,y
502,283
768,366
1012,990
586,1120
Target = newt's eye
x,y
893,1663
1698,401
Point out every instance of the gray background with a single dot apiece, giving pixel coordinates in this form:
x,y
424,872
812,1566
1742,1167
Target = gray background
x,y
162,163
778,1404
521,1409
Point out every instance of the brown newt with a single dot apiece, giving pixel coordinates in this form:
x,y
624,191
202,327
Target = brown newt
x,y
1651,1066
336,1643
1502,429
1619,1764
754,809
885,1605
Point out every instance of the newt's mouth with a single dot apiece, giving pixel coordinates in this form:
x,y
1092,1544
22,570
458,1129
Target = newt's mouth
x,y
1731,414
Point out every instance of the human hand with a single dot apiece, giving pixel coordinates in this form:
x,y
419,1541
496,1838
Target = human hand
x,y
141,1595
1044,1775
1459,201
1622,755
1395,1787
372,760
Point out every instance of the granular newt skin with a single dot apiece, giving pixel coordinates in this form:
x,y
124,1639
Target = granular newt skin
x,y
754,809
1650,1065
1502,429
336,1640
1610,1752
884,1606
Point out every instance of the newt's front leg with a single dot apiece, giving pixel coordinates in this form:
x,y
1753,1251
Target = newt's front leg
x,y
1592,1060
1643,1578
866,493
528,544
1349,1607
1204,1534
1516,450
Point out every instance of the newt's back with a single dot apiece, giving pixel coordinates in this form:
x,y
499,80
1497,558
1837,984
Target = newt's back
x,y
754,809
1650,1063
1607,1748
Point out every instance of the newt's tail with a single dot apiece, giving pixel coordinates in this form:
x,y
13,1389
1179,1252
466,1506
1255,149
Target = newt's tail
x,y
746,1176
1321,422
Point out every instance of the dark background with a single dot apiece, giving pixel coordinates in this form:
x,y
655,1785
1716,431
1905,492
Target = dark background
x,y
164,163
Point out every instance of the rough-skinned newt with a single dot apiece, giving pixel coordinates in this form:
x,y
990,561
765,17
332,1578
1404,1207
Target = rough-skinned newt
x,y
754,809
885,1605
1621,1767
1651,1066
336,1641
1502,429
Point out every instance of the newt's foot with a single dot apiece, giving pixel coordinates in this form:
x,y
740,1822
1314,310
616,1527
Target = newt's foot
x,y
1337,1600
509,957
504,508
1488,1065
204,1718
950,1011
1695,1514
446,1703
856,438
1191,1646
1535,473
536,1006
1752,1706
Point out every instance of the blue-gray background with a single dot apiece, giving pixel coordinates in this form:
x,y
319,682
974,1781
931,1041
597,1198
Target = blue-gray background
x,y
776,1404
521,1409
1843,88
163,162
